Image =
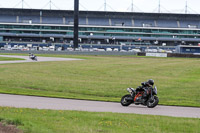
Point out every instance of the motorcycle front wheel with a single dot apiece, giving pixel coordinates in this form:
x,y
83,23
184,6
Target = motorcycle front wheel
x,y
124,101
152,103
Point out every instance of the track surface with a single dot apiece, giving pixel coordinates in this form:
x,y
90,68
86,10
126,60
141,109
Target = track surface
x,y
40,59
93,106
19,101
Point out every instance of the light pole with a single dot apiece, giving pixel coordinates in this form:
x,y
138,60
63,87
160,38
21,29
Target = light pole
x,y
76,23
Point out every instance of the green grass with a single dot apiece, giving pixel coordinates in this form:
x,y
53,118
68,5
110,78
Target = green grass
x,y
104,78
9,59
49,121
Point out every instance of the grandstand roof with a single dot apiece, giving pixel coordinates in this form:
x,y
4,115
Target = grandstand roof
x,y
61,13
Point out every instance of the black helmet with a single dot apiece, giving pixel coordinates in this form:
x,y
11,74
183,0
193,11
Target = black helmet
x,y
151,82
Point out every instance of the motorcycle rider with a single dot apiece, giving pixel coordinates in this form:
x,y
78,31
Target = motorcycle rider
x,y
147,86
144,95
31,56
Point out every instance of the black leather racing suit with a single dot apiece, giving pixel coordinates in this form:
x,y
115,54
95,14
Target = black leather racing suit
x,y
147,87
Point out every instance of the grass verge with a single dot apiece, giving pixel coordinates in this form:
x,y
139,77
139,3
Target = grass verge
x,y
104,78
9,59
49,121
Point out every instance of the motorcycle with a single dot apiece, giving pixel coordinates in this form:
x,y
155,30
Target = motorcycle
x,y
33,57
136,97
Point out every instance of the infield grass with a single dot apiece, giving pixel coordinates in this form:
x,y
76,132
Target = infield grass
x,y
49,121
9,59
105,78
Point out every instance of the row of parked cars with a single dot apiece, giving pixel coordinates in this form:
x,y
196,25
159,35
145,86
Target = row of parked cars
x,y
159,51
53,48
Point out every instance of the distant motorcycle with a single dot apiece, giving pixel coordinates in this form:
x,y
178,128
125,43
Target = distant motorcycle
x,y
136,97
33,57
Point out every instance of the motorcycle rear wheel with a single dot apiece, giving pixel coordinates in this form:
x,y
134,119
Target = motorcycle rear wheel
x,y
125,102
152,104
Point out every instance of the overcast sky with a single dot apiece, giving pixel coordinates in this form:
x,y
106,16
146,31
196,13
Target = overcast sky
x,y
169,6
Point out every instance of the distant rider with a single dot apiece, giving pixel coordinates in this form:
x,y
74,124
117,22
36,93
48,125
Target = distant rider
x,y
31,56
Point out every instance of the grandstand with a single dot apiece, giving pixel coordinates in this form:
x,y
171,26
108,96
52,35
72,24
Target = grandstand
x,y
99,27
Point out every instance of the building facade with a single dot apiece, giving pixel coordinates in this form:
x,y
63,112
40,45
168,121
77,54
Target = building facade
x,y
98,27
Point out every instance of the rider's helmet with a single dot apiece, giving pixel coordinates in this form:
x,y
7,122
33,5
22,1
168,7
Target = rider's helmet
x,y
151,82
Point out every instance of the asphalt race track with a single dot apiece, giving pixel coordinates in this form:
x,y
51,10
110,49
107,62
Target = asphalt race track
x,y
19,101
40,59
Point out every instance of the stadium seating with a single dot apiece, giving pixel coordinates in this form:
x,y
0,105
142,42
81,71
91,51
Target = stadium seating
x,y
121,22
28,19
144,23
106,21
98,21
8,18
82,21
52,20
167,23
70,20
100,27
189,24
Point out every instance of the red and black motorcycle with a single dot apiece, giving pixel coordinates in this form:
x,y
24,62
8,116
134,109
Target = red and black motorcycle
x,y
136,97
